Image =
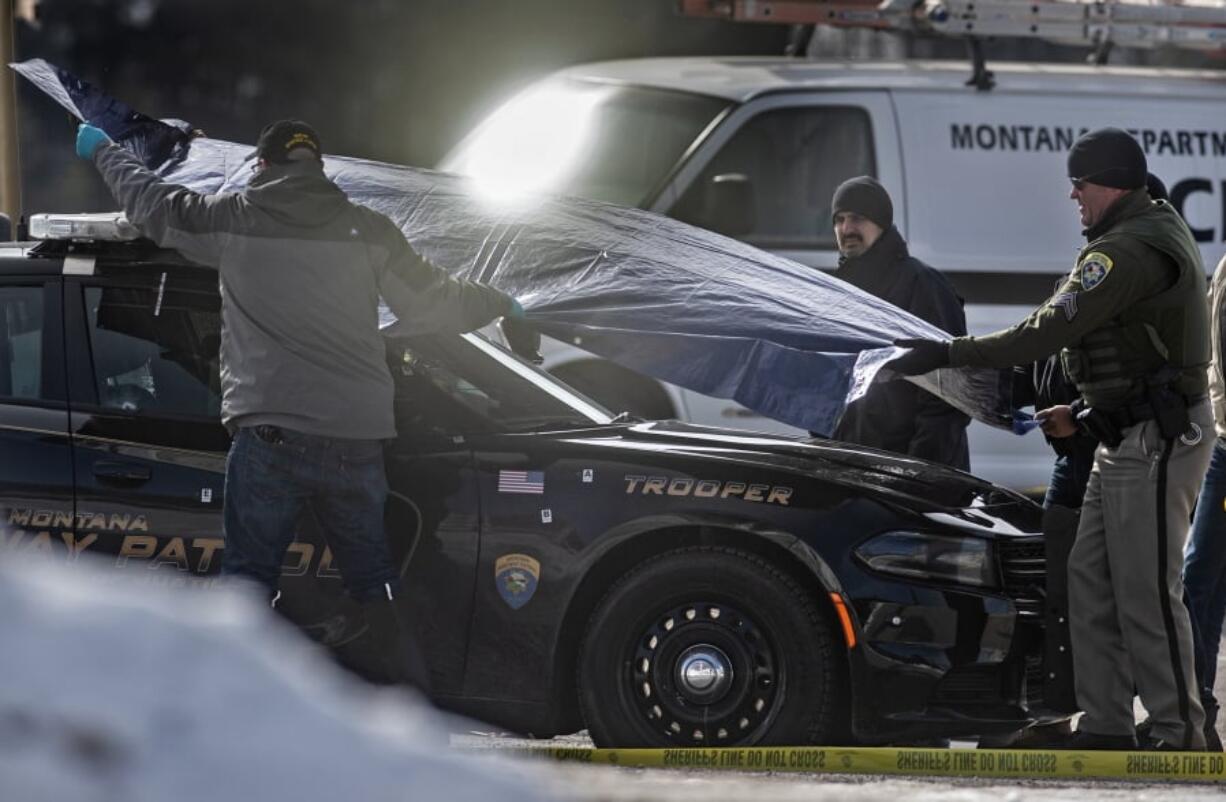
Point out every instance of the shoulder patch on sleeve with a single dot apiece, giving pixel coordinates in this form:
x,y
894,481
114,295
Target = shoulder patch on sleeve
x,y
1067,303
1093,269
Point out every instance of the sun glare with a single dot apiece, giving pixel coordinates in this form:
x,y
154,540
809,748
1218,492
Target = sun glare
x,y
532,143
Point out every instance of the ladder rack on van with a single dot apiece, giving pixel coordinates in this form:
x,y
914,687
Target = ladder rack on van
x,y
1100,25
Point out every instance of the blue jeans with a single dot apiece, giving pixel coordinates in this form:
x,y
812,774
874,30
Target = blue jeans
x,y
1204,566
274,475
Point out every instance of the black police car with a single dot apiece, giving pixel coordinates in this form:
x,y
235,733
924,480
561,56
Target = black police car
x,y
659,583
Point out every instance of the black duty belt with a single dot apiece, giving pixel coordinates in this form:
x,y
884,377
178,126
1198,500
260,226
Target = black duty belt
x,y
1141,411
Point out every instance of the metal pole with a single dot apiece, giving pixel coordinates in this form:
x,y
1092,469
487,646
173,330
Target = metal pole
x,y
10,164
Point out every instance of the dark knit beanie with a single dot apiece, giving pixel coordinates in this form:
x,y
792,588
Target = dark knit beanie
x,y
1108,157
866,197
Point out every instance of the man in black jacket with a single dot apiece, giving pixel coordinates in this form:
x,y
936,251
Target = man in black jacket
x,y
896,416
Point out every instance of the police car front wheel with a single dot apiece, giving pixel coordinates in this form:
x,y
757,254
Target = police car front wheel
x,y
710,647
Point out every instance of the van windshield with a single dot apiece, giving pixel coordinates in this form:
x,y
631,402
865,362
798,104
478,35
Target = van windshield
x,y
570,137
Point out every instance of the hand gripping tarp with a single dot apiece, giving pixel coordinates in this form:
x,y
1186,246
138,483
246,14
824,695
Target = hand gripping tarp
x,y
658,296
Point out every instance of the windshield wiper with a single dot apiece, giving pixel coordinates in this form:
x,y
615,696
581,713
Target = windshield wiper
x,y
549,425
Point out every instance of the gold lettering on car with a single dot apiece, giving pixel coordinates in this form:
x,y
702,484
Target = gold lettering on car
x,y
173,553
40,542
158,551
326,569
680,487
297,559
75,544
62,519
779,495
683,486
142,547
755,492
208,546
732,489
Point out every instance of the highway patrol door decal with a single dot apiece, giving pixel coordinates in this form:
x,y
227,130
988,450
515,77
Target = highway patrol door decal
x,y
516,576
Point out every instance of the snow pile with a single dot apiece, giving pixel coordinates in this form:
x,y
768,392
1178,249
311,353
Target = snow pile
x,y
122,691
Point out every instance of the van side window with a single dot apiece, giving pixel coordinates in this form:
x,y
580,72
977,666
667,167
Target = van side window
x,y
770,184
155,349
21,351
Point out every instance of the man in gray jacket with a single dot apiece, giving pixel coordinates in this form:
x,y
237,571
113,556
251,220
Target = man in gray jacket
x,y
306,390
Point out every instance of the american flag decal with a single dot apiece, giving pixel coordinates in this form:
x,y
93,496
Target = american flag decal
x,y
521,482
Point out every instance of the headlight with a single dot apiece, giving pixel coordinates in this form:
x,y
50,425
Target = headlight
x,y
940,558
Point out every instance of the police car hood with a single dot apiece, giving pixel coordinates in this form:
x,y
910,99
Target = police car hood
x,y
911,482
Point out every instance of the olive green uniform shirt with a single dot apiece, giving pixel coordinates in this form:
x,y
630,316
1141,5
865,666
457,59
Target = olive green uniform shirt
x,y
1115,272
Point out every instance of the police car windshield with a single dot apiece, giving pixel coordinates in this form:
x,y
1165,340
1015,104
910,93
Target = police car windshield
x,y
466,384
608,143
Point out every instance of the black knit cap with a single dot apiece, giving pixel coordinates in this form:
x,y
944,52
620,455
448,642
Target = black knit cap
x,y
866,197
1108,157
279,138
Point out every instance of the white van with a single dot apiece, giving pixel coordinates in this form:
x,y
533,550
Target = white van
x,y
754,147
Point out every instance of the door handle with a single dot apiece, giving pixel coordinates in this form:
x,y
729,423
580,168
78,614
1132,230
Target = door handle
x,y
122,471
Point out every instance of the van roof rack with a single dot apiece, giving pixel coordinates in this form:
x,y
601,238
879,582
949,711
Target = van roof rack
x,y
1098,24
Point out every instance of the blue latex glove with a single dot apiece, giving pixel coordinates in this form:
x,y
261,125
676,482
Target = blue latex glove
x,y
88,140
517,311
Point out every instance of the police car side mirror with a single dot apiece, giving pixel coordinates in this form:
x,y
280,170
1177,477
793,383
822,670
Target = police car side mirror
x,y
730,208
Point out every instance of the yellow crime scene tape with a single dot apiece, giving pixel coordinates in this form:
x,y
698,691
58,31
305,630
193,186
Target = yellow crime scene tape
x,y
1024,764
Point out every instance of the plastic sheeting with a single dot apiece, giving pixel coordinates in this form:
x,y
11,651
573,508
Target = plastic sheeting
x,y
676,302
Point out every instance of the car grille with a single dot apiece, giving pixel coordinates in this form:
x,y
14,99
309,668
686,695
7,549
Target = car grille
x,y
969,685
1023,567
1034,682
992,685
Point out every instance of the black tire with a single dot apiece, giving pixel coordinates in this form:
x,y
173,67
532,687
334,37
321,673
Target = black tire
x,y
617,388
786,678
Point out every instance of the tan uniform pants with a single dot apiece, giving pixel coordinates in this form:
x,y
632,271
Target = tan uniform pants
x,y
1128,624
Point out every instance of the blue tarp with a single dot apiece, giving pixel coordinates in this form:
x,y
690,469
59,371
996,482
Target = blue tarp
x,y
676,302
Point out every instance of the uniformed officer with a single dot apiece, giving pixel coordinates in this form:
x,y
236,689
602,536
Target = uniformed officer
x,y
1132,323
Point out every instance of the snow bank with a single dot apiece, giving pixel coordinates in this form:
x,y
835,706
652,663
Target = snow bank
x,y
130,692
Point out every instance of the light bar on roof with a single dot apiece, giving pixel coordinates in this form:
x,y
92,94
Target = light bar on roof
x,y
98,227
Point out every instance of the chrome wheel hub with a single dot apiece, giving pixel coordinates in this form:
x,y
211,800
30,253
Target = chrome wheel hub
x,y
704,673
